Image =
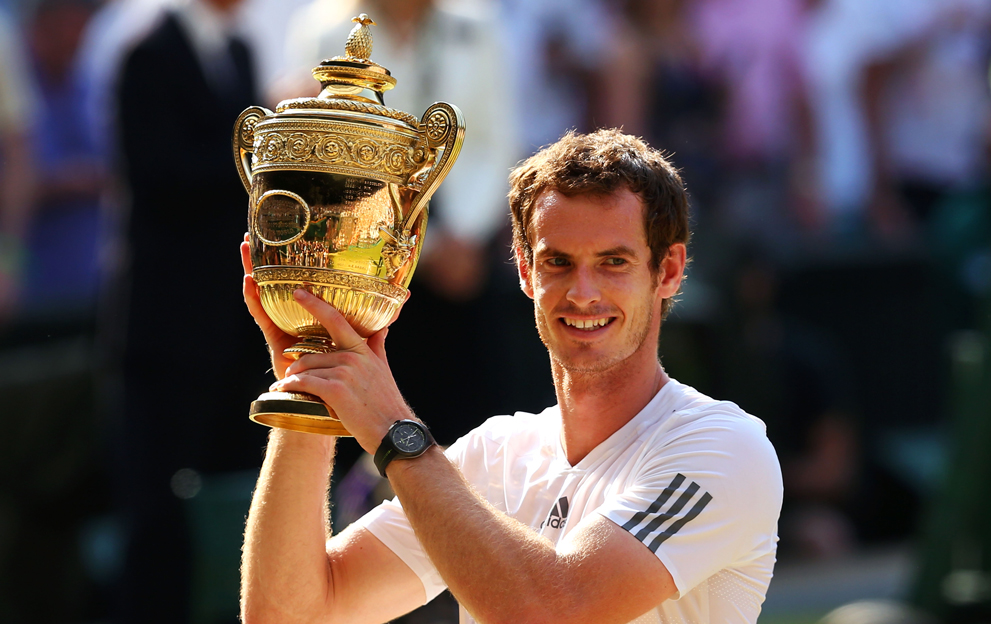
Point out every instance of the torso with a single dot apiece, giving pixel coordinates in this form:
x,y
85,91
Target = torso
x,y
695,480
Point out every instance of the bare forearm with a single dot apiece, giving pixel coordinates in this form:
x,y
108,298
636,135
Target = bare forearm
x,y
285,574
499,569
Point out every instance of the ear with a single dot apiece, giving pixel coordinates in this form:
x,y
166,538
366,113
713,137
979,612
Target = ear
x,y
672,271
525,271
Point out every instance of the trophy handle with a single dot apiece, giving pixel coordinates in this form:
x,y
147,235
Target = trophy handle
x,y
243,141
442,129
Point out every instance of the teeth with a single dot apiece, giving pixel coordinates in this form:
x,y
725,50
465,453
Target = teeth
x,y
586,324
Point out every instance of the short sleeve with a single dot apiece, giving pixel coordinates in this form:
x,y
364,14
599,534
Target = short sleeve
x,y
388,523
704,499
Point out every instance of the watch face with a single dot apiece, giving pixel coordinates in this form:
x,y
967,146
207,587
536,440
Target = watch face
x,y
408,438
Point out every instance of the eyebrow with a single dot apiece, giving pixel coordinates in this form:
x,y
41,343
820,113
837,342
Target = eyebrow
x,y
619,250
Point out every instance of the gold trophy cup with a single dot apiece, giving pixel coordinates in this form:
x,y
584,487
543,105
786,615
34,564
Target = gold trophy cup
x,y
338,190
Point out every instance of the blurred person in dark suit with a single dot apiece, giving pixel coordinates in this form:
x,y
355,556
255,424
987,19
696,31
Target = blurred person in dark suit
x,y
180,91
463,284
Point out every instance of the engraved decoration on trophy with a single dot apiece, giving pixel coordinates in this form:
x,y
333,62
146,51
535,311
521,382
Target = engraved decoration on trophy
x,y
338,188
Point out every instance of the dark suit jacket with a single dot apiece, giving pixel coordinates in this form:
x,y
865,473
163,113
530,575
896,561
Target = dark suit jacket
x,y
192,356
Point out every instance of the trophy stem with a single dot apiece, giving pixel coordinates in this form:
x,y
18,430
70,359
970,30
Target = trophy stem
x,y
296,411
308,345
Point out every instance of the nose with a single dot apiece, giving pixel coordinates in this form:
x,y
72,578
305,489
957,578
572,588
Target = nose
x,y
583,290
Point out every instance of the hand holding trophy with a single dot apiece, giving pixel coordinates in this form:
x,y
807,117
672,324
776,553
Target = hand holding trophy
x,y
338,191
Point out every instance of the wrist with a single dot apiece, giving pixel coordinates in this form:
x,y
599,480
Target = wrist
x,y
400,466
373,432
297,442
405,439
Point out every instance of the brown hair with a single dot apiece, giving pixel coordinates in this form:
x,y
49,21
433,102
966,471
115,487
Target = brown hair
x,y
602,163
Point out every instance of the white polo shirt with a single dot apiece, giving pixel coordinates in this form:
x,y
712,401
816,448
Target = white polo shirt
x,y
694,479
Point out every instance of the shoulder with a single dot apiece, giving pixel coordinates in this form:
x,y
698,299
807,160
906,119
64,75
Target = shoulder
x,y
716,441
520,433
694,414
164,34
708,468
519,428
157,49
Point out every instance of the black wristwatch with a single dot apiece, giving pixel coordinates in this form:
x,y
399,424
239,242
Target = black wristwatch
x,y
406,439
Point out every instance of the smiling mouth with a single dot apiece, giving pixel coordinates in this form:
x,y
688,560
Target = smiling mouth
x,y
588,324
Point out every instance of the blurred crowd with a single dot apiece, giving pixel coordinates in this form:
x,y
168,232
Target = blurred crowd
x,y
837,157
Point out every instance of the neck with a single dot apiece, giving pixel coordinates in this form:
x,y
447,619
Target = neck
x,y
596,405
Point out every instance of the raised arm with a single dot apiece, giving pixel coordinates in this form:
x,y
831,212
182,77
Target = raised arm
x,y
499,569
293,569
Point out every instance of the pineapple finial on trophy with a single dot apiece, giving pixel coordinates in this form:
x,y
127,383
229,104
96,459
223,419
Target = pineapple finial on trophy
x,y
359,43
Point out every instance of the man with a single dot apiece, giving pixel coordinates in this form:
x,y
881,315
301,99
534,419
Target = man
x,y
180,89
635,499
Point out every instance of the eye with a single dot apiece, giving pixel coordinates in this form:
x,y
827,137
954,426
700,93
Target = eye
x,y
615,261
556,262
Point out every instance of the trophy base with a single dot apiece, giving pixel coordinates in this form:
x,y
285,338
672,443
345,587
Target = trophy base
x,y
296,411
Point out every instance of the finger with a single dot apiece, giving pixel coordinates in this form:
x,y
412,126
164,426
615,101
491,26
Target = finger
x,y
273,334
376,342
318,361
333,321
323,387
246,256
253,301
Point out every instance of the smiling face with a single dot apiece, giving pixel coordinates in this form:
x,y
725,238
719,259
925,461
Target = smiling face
x,y
596,301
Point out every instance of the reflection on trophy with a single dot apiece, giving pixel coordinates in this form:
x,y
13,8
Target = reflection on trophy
x,y
338,191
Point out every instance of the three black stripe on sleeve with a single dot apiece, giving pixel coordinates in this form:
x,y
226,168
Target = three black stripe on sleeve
x,y
652,519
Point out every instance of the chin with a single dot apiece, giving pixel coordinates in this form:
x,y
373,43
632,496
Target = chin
x,y
587,363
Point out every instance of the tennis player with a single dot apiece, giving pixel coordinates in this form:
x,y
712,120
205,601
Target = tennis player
x,y
634,499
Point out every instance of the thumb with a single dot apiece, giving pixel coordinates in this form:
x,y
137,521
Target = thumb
x,y
343,335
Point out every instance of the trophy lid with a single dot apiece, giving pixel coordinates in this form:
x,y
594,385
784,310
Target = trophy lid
x,y
353,81
356,67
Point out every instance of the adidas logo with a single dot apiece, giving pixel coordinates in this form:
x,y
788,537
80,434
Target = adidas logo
x,y
558,516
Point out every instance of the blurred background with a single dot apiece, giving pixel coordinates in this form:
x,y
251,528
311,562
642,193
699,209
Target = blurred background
x,y
837,157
